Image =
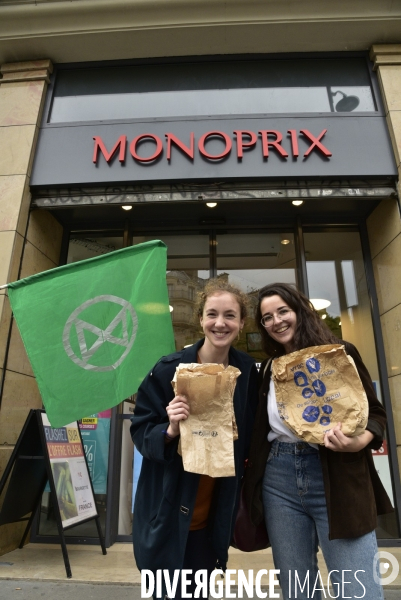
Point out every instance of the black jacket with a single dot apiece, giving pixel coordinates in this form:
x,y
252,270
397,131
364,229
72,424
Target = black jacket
x,y
354,492
166,494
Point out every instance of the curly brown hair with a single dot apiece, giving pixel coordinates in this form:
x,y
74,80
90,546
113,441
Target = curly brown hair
x,y
310,329
221,286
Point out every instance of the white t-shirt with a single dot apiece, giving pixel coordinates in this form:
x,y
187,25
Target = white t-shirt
x,y
279,431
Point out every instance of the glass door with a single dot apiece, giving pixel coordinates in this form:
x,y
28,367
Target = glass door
x,y
251,261
339,291
188,269
248,260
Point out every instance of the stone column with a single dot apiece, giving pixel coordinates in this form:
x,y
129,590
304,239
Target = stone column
x,y
24,249
384,227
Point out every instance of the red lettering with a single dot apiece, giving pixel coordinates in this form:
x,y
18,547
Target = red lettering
x,y
226,138
143,136
316,142
240,141
121,142
245,140
294,142
275,143
172,139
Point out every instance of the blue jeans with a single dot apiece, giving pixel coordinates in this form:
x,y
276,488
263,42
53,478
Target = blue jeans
x,y
296,520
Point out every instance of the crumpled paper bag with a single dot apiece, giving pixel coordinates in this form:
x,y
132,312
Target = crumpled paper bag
x,y
207,436
318,387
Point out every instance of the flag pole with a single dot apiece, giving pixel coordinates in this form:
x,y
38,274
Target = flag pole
x,y
3,286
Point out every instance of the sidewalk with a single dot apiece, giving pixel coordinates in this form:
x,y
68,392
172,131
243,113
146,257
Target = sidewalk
x,y
37,590
44,562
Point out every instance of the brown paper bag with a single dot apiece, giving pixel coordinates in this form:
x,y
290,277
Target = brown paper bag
x,y
208,434
318,387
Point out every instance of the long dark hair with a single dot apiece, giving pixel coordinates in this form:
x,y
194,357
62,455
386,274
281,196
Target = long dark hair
x,y
310,329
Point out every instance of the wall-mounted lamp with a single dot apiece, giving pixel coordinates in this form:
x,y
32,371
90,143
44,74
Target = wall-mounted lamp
x,y
211,204
297,202
285,242
127,207
345,104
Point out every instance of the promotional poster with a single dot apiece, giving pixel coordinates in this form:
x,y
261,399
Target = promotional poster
x,y
95,432
70,473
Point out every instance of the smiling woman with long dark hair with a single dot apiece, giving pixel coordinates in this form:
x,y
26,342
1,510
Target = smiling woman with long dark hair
x,y
311,495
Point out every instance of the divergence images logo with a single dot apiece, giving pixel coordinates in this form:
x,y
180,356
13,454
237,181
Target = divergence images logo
x,y
88,345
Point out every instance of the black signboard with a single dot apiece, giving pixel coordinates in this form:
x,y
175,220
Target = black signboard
x,y
40,454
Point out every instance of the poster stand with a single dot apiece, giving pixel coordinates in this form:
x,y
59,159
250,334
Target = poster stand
x,y
30,467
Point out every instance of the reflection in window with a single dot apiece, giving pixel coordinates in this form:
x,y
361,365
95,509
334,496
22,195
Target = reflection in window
x,y
336,275
252,261
187,273
82,246
237,87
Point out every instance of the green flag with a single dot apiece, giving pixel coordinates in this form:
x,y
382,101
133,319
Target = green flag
x,y
93,329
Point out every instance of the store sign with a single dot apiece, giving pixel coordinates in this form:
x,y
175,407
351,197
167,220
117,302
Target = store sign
x,y
213,149
271,139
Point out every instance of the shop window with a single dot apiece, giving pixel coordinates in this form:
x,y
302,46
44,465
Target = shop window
x,y
95,429
88,246
338,290
188,265
251,261
230,87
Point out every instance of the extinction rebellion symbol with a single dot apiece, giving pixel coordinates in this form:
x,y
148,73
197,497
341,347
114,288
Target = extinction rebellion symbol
x,y
90,346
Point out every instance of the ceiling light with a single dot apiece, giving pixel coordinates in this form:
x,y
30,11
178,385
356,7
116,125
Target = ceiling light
x,y
324,316
320,303
211,204
127,207
297,202
171,308
285,242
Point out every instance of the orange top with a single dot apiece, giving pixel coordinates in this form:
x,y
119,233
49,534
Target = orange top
x,y
204,497
202,503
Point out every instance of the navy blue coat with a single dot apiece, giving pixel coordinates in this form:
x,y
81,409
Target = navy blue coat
x,y
166,494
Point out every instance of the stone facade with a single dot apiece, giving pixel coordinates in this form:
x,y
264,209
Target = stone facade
x,y
384,227
29,243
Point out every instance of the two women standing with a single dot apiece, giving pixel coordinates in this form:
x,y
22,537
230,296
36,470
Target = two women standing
x,y
309,496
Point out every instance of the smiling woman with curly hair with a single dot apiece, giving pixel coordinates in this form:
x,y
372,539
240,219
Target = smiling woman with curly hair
x,y
184,520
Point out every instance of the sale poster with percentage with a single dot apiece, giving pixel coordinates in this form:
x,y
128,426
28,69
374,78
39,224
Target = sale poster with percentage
x,y
95,432
70,474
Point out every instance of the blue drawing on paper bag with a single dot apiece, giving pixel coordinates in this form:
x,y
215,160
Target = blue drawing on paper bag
x,y
325,421
313,365
319,387
307,393
311,414
327,409
300,379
